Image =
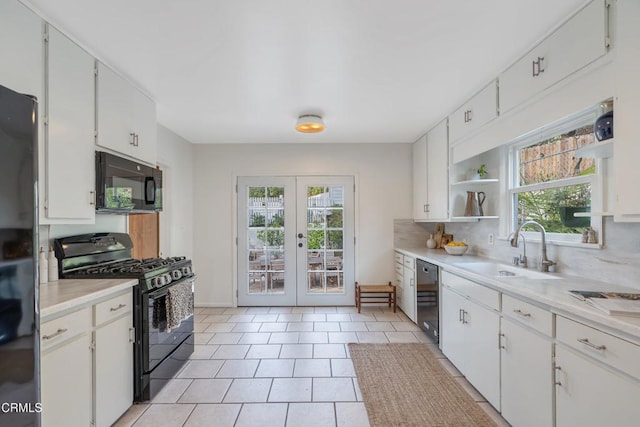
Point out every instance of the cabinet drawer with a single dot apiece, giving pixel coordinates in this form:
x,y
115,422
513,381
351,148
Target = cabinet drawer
x,y
399,257
398,282
64,328
607,348
409,262
535,317
399,269
472,290
113,308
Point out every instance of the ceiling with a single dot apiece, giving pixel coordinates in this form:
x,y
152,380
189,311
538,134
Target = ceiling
x,y
242,71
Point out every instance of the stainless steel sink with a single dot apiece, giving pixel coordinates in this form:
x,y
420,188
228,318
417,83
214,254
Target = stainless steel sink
x,y
496,269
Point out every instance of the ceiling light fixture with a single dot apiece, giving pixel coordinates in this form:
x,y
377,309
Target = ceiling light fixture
x,y
310,123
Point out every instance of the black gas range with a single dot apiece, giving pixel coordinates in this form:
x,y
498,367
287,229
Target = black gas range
x,y
163,301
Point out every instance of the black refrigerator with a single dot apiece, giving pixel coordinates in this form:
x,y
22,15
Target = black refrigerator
x,y
19,348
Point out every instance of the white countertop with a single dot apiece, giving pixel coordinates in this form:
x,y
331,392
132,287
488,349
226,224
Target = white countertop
x,y
549,293
67,294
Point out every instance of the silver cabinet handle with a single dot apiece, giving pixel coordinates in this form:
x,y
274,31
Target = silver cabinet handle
x,y
132,141
500,346
118,307
537,66
132,335
586,342
137,139
557,382
460,315
522,313
60,331
92,198
464,317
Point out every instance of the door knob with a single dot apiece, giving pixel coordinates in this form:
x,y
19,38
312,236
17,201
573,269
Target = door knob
x,y
300,245
300,236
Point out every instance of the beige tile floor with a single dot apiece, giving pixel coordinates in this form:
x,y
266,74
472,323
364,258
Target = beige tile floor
x,y
279,366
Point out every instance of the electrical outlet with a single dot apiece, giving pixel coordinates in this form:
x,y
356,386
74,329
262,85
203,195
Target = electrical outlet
x,y
491,240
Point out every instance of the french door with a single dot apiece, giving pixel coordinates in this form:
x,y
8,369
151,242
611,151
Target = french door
x,y
296,241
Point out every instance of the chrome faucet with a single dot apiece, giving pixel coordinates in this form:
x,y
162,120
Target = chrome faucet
x,y
545,263
522,259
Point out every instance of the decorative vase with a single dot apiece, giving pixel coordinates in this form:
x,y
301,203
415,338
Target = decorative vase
x,y
431,243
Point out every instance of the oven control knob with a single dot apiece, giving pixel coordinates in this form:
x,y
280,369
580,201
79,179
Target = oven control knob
x,y
186,271
176,274
167,278
159,281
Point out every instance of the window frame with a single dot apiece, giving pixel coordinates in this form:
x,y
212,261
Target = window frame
x,y
596,180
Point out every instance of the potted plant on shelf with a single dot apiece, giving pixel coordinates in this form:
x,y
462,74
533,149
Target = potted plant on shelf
x,y
480,173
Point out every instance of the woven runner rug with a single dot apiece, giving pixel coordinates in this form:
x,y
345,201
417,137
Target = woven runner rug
x,y
405,385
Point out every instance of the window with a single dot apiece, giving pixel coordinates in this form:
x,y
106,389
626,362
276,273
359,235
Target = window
x,y
549,184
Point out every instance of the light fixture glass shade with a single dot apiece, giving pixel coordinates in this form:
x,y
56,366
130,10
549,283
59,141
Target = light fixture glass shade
x,y
310,124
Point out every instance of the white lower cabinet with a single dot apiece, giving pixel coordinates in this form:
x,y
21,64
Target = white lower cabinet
x,y
66,370
407,296
87,366
114,362
526,375
597,377
588,394
469,339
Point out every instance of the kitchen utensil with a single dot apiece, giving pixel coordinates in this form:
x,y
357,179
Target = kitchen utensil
x,y
475,199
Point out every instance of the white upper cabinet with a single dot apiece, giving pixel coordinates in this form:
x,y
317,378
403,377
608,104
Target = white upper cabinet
x,y
69,181
626,149
420,202
438,172
475,113
430,175
580,41
126,118
21,49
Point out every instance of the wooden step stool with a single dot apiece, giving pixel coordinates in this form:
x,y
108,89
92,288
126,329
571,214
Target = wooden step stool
x,y
373,293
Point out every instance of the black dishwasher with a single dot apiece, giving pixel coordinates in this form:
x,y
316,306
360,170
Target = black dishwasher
x,y
427,298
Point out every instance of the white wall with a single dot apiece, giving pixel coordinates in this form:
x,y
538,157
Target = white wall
x,y
175,157
383,178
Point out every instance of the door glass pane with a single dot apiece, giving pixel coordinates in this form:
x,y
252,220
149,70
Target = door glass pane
x,y
325,234
266,240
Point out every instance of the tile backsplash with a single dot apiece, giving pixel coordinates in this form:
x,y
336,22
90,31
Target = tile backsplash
x,y
618,261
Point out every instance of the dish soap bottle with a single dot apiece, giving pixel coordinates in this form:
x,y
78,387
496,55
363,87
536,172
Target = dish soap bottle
x,y
431,243
53,266
43,269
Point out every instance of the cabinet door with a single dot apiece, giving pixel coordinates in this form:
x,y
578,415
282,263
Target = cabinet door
x,y
627,111
482,327
452,329
526,369
114,105
438,172
479,110
144,113
21,49
70,176
589,395
580,41
113,370
126,117
66,386
420,202
409,293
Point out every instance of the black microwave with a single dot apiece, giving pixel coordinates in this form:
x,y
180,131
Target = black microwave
x,y
125,186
